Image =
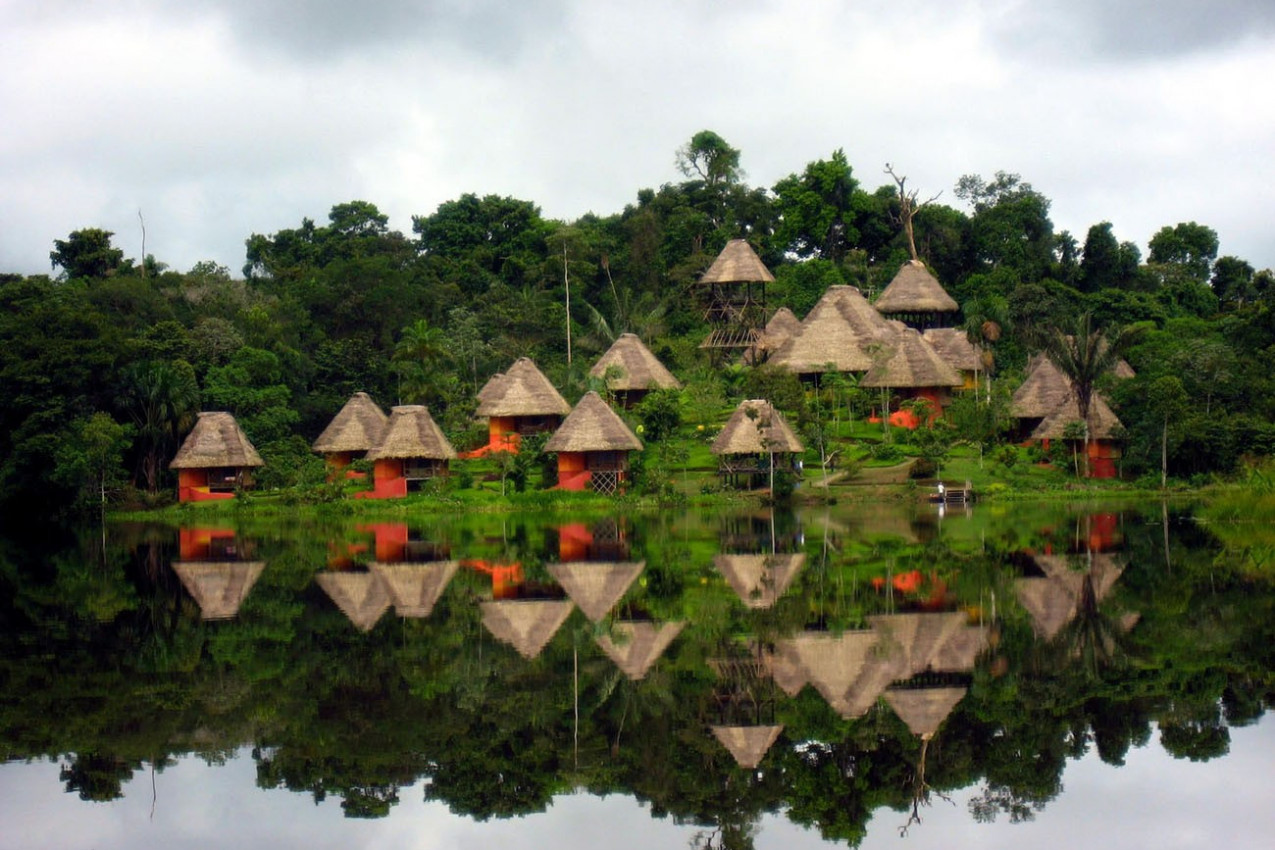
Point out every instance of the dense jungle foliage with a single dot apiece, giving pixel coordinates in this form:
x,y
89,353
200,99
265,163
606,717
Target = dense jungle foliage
x,y
104,363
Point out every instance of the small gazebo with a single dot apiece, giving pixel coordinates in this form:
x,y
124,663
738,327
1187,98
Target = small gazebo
x,y
216,459
353,432
517,403
631,371
753,435
412,451
916,298
736,296
914,370
593,446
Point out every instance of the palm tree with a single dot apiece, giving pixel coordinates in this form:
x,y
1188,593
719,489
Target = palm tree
x,y
416,358
1085,353
161,398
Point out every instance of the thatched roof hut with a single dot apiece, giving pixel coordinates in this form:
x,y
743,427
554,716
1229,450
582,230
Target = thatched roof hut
x,y
218,587
737,263
636,646
915,291
1103,422
357,427
412,433
760,580
525,624
593,427
216,442
596,587
638,367
747,744
756,427
1044,389
415,588
911,363
523,391
954,346
924,709
362,597
782,327
840,332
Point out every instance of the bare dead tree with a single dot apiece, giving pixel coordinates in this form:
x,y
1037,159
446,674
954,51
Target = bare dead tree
x,y
908,206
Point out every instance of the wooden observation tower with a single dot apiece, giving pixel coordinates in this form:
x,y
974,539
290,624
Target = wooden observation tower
x,y
735,293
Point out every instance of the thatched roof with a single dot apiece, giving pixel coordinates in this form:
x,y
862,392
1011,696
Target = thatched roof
x,y
216,441
593,427
218,587
954,346
842,330
595,587
737,263
523,391
357,427
831,662
961,651
924,709
914,642
915,290
759,580
525,624
1103,422
781,328
491,388
363,597
639,368
412,433
415,588
748,744
635,646
756,427
911,362
1044,389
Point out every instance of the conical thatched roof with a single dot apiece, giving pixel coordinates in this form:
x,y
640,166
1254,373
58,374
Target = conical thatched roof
x,y
831,662
363,597
218,587
525,624
412,433
491,388
523,391
911,362
782,327
915,290
1044,389
593,427
842,330
595,587
639,368
760,580
1103,422
635,646
954,346
216,441
415,588
924,709
961,650
756,427
357,427
914,642
748,744
737,263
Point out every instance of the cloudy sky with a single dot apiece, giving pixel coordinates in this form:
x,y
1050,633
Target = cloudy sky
x,y
222,118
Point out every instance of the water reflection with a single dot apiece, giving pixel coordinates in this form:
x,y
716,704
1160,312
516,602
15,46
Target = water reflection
x,y
829,665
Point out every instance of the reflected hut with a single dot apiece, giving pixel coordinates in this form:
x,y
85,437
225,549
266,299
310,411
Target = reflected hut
x,y
923,710
412,451
916,298
525,624
631,371
954,347
748,745
760,580
736,297
848,670
913,370
841,333
218,587
595,588
518,403
747,445
415,588
361,597
215,460
356,429
636,646
1056,598
593,446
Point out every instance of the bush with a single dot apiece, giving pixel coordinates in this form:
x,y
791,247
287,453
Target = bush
x,y
660,413
886,452
923,467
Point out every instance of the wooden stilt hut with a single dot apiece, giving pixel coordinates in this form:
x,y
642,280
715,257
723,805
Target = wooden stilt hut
x,y
916,298
353,432
593,446
413,450
735,287
747,446
631,371
841,333
912,369
517,403
216,459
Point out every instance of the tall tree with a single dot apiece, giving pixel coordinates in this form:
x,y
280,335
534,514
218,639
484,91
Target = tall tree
x,y
708,157
86,253
816,211
1189,246
161,398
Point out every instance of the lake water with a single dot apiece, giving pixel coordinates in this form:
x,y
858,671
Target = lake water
x,y
1008,675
